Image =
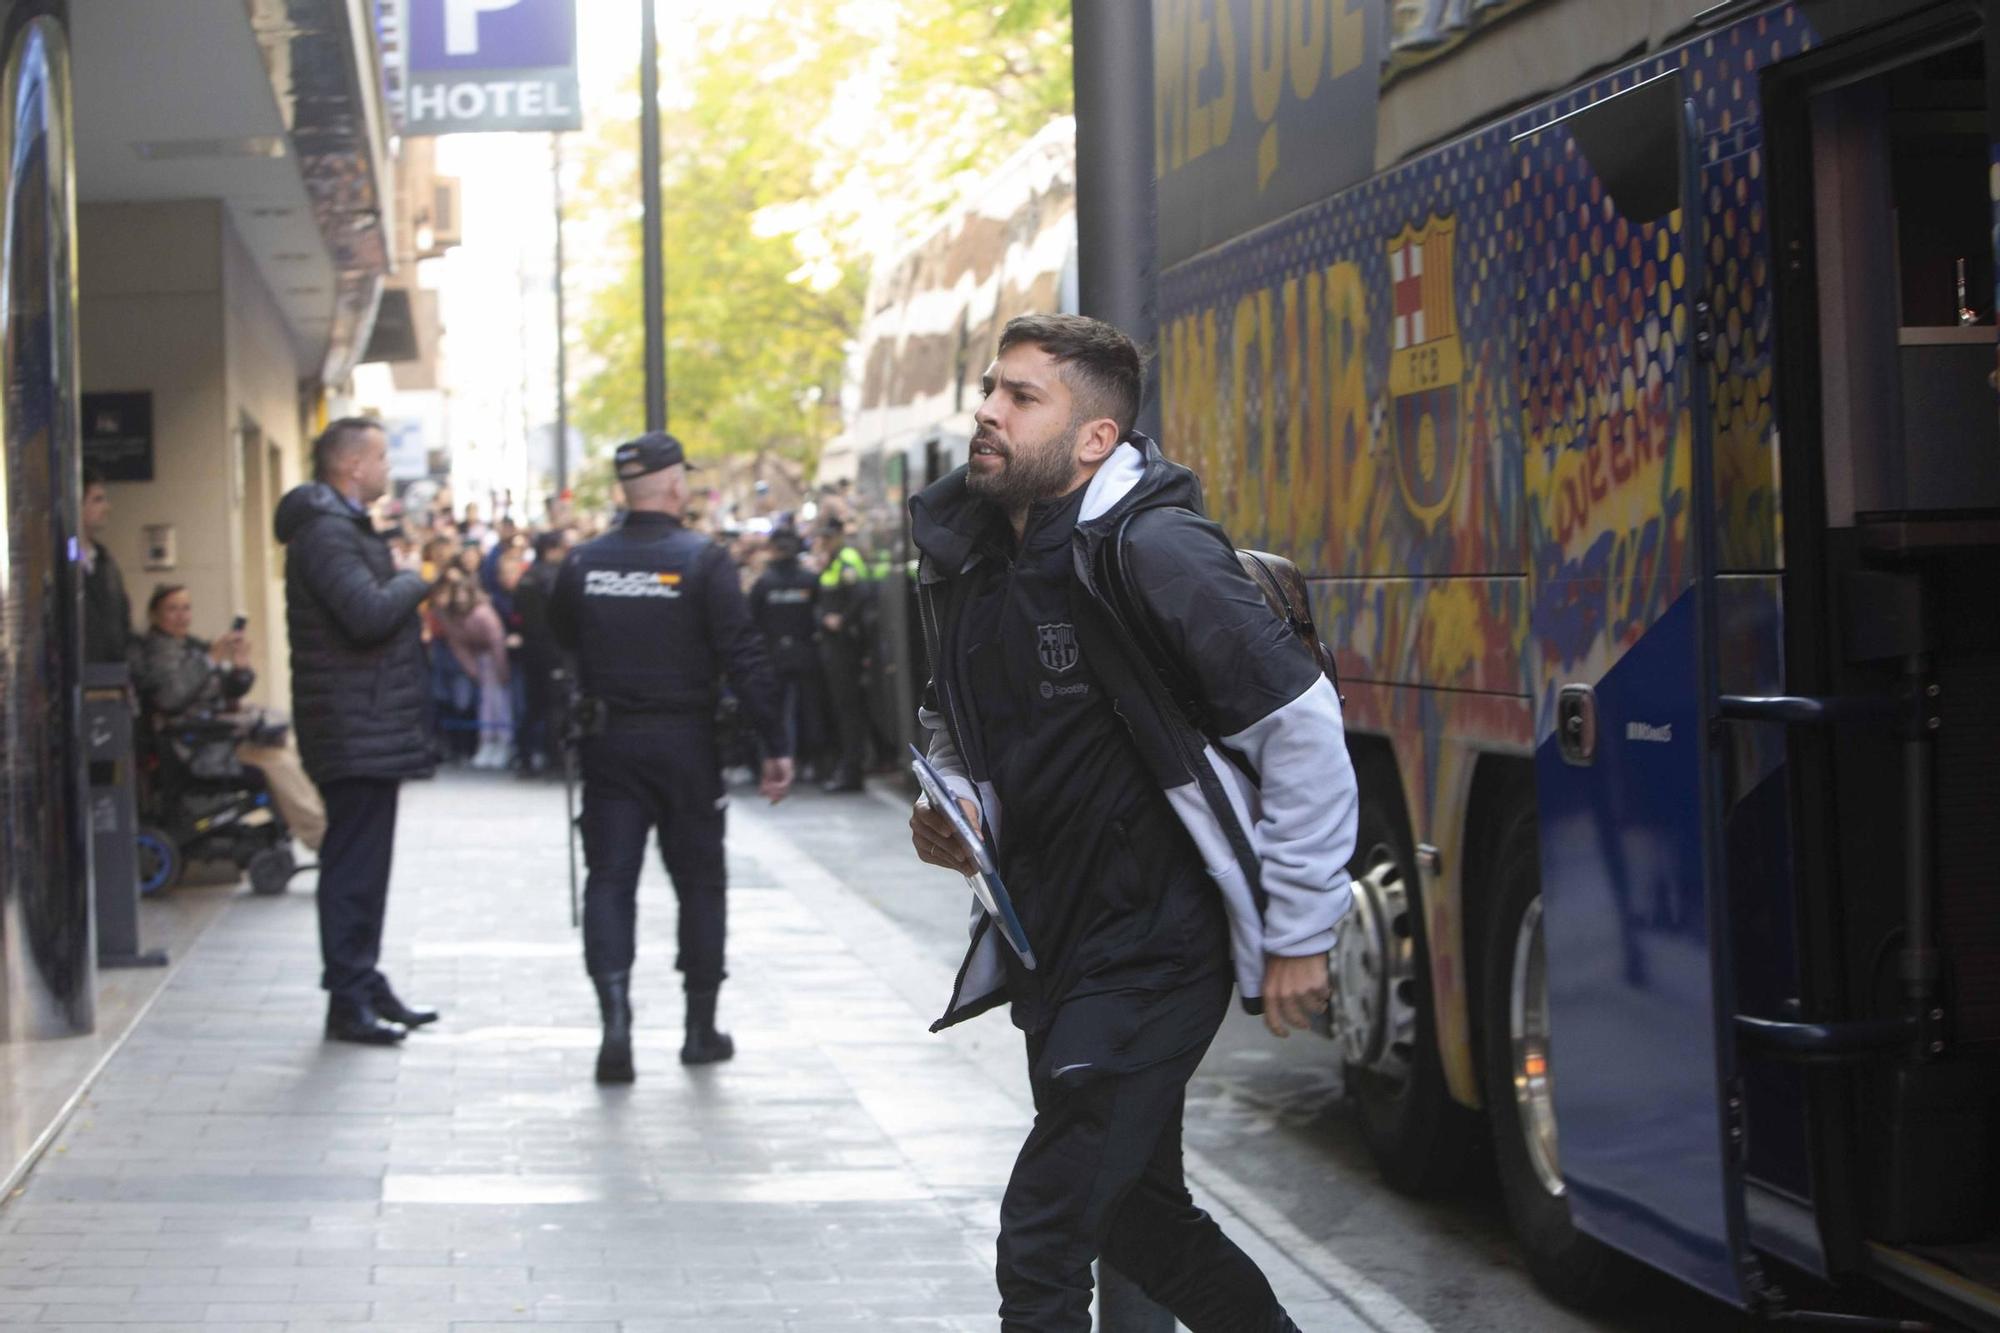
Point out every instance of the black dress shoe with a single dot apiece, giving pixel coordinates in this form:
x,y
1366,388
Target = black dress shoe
x,y
410,1016
359,1022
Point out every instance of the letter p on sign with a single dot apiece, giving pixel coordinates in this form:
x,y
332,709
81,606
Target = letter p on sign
x,y
461,23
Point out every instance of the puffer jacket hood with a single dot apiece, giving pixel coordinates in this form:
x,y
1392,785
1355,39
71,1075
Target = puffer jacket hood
x,y
302,504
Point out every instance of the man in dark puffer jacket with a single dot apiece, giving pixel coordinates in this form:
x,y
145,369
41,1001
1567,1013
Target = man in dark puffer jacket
x,y
359,686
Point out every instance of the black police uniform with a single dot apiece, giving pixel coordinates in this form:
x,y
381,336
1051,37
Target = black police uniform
x,y
843,592
655,616
782,602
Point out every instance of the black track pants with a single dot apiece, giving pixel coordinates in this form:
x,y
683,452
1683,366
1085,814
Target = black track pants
x,y
664,777
1100,1173
353,891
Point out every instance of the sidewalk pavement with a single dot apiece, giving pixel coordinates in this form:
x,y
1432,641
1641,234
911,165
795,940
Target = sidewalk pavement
x,y
40,1080
228,1169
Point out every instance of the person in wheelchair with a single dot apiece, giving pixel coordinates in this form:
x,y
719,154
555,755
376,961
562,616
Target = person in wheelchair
x,y
216,760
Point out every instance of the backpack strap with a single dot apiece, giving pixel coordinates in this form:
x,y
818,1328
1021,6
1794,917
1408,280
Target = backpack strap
x,y
1145,631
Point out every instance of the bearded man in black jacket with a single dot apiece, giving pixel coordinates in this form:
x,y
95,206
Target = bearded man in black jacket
x,y
1148,870
360,688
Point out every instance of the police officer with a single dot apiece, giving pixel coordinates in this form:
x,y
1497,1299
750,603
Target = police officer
x,y
655,615
781,602
843,645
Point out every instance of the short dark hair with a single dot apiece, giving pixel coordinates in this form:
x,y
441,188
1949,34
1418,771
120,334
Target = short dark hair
x,y
1103,368
546,543
92,476
162,591
337,439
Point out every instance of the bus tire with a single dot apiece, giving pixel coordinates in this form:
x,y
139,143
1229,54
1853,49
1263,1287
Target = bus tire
x,y
1421,1139
1576,1269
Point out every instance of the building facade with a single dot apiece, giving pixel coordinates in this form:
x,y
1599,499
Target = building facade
x,y
201,210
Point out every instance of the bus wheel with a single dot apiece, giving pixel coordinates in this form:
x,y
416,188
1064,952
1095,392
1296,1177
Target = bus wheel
x,y
1520,1085
1420,1138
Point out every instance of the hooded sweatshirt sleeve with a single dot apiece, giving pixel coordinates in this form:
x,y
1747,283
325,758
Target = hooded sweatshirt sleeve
x,y
943,753
1267,701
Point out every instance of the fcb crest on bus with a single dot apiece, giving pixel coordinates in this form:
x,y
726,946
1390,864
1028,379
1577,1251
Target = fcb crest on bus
x,y
1426,365
1057,644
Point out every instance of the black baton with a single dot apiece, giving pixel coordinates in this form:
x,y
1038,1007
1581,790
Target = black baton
x,y
566,684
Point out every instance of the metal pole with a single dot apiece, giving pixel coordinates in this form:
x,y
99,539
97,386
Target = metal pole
x,y
1115,256
1115,197
562,334
649,183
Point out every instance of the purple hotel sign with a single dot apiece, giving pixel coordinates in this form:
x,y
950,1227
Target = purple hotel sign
x,y
481,65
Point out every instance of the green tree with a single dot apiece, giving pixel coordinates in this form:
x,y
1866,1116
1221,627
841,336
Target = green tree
x,y
800,142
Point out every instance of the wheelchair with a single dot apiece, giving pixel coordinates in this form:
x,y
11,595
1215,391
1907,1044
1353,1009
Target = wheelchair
x,y
197,801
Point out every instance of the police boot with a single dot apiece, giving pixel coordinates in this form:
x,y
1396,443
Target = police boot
x,y
614,1003
704,1045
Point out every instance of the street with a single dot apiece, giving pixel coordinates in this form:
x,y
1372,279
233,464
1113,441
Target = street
x,y
229,1169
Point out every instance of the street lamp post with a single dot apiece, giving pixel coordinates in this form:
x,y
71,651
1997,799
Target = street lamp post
x,y
655,257
1116,206
1113,70
562,327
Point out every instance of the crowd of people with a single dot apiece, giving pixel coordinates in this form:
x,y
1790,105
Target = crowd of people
x,y
492,662
495,693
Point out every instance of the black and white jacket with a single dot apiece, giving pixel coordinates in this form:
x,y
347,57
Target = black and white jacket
x,y
1266,790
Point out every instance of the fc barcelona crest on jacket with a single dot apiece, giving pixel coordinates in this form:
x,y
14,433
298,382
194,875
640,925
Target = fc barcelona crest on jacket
x,y
1057,644
1426,366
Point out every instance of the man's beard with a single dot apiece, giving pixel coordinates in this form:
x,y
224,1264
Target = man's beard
x,y
1035,472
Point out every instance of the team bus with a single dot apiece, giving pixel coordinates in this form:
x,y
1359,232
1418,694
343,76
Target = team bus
x,y
1623,372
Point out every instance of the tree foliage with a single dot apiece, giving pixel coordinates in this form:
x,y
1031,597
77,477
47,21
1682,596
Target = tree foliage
x,y
801,138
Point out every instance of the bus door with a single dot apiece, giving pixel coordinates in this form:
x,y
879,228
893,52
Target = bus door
x,y
1646,1107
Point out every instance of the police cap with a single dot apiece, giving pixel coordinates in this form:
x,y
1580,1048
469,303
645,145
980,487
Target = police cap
x,y
649,453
